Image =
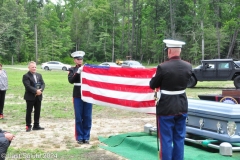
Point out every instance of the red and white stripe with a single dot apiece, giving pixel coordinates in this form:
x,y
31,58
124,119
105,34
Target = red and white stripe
x,y
122,88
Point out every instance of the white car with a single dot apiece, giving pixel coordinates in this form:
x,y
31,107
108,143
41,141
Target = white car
x,y
55,65
132,64
109,64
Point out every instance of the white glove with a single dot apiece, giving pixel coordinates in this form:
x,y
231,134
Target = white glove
x,y
80,70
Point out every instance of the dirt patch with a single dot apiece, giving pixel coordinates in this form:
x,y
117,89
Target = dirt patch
x,y
59,134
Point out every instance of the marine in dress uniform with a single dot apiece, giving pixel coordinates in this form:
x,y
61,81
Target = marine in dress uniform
x,y
172,77
83,110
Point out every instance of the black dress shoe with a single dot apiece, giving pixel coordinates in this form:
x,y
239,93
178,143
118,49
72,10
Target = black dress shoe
x,y
80,141
37,128
86,141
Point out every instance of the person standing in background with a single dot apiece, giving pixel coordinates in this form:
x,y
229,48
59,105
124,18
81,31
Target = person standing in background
x,y
34,86
172,77
3,89
83,110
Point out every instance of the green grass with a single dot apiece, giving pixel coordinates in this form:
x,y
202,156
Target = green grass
x,y
209,87
57,103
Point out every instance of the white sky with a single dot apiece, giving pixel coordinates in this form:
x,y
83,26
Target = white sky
x,y
56,1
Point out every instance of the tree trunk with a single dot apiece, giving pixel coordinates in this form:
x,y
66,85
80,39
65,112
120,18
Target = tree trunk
x,y
133,27
217,12
12,59
104,49
202,27
172,19
113,35
218,40
18,49
233,41
36,46
123,30
129,32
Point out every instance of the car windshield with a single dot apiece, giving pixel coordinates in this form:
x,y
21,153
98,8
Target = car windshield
x,y
132,63
135,63
112,64
237,63
108,64
198,67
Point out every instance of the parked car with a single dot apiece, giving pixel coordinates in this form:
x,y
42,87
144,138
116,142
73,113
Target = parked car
x,y
109,64
132,64
216,70
55,65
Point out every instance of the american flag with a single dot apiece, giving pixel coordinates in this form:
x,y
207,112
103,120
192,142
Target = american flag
x,y
122,88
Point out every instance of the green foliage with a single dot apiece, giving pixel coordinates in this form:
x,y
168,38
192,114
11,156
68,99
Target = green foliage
x,y
113,29
67,60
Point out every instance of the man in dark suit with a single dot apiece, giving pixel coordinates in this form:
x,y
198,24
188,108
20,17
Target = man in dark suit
x,y
5,141
34,86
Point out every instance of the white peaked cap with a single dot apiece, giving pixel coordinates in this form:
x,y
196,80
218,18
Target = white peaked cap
x,y
173,43
78,54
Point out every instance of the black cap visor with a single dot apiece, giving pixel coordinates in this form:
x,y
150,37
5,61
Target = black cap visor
x,y
79,57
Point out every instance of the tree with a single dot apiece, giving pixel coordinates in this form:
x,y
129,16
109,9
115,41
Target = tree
x,y
15,18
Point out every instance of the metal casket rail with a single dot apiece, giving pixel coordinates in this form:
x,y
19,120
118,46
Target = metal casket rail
x,y
220,121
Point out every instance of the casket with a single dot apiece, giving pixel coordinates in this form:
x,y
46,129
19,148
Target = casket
x,y
216,120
